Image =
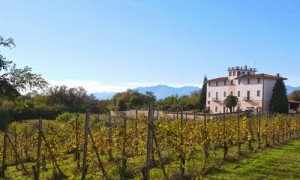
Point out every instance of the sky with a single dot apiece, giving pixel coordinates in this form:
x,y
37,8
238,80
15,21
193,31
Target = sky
x,y
112,45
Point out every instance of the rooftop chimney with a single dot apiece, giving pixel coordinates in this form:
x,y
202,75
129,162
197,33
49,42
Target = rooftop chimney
x,y
278,75
245,67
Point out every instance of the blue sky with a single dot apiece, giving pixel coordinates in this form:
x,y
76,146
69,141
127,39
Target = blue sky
x,y
112,45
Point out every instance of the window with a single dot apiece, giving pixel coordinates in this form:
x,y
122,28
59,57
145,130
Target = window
x,y
216,95
248,73
229,73
239,81
243,72
208,83
239,93
231,82
217,83
208,102
248,81
231,93
239,73
233,73
258,93
216,109
225,82
248,95
258,81
209,94
224,93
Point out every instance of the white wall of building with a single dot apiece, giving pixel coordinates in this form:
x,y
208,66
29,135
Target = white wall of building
x,y
260,91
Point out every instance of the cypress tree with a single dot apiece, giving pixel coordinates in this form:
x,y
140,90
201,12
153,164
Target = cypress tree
x,y
279,101
202,102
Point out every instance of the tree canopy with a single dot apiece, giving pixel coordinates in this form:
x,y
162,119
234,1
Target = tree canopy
x,y
295,95
202,101
279,101
231,102
13,79
131,99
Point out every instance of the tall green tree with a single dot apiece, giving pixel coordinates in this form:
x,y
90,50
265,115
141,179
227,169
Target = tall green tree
x,y
12,79
231,101
295,95
202,101
279,101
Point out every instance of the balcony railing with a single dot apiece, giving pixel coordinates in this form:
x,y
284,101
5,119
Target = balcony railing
x,y
215,99
247,98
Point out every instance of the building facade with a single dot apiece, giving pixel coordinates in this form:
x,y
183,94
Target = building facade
x,y
253,90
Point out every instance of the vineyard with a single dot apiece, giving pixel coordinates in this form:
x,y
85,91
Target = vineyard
x,y
119,147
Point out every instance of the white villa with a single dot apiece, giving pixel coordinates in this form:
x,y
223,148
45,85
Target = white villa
x,y
253,90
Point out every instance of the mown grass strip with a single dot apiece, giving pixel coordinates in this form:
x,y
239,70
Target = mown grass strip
x,y
278,162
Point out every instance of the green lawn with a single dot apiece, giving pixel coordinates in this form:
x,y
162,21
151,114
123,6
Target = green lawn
x,y
282,162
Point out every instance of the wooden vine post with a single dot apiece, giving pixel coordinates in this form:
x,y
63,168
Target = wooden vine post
x,y
110,135
4,154
194,116
136,132
26,142
98,155
38,156
15,142
250,132
77,152
146,169
86,132
16,154
181,145
159,153
124,158
273,130
239,132
259,129
225,148
205,136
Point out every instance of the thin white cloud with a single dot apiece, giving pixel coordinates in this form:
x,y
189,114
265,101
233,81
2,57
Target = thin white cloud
x,y
93,86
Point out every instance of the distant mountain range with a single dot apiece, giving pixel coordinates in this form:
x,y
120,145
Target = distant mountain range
x,y
290,89
160,91
163,91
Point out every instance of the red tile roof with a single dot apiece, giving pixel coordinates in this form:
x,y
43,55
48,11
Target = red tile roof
x,y
262,76
218,79
294,101
254,76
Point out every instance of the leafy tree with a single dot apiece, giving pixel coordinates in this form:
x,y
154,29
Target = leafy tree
x,y
121,105
76,99
295,95
169,103
131,99
231,102
149,97
279,101
202,101
136,102
14,80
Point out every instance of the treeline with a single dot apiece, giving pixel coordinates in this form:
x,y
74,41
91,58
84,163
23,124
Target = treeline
x,y
295,95
56,100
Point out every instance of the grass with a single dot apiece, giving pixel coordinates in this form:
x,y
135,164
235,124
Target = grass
x,y
278,162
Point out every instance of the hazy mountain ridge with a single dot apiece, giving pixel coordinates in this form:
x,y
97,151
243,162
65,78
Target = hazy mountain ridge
x,y
160,91
163,91
290,89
